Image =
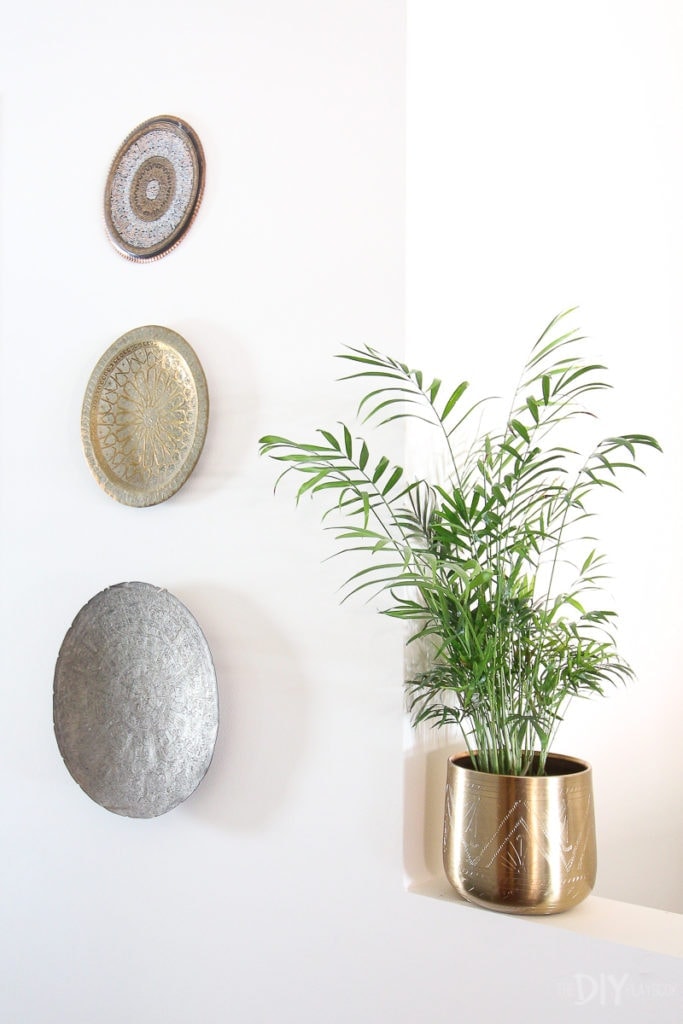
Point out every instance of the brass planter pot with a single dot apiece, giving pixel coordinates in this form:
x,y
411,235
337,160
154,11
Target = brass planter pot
x,y
522,845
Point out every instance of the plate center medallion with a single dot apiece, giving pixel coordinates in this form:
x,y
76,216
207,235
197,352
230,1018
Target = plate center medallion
x,y
153,188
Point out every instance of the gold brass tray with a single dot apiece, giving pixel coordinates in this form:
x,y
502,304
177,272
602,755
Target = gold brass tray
x,y
154,188
144,416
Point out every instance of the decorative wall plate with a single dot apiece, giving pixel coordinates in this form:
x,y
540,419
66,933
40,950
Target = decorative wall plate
x,y
154,188
135,700
145,415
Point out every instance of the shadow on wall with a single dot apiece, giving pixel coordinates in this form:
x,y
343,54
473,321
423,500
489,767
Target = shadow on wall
x,y
424,792
263,707
233,407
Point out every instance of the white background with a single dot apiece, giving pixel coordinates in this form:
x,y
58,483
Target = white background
x,y
276,891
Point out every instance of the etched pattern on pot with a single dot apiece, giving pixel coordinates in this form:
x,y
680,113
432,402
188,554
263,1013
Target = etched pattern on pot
x,y
522,845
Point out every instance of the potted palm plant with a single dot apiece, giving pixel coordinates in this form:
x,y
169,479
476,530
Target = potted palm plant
x,y
493,565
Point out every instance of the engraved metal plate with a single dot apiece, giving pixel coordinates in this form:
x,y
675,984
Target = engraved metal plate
x,y
154,188
145,415
135,700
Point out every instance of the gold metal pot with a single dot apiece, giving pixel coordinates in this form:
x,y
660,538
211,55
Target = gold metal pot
x,y
522,845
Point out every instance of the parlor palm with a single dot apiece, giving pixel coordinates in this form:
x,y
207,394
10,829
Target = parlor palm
x,y
478,559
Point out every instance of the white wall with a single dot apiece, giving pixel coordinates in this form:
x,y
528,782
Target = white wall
x,y
548,137
276,891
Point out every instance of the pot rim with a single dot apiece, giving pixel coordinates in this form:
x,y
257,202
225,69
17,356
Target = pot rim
x,y
575,766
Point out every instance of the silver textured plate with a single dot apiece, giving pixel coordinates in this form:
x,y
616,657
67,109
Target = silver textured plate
x,y
145,415
154,188
135,700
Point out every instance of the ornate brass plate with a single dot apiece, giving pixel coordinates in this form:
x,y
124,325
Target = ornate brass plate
x,y
145,415
135,700
154,188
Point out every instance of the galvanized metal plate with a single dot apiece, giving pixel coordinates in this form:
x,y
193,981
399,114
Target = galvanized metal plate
x,y
135,700
145,415
154,188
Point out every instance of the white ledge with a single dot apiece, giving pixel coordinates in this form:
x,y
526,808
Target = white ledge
x,y
658,931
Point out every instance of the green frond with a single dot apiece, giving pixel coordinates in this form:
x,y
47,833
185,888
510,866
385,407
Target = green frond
x,y
492,563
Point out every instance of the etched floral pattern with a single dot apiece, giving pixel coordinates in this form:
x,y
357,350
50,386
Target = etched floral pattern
x,y
166,145
145,416
135,700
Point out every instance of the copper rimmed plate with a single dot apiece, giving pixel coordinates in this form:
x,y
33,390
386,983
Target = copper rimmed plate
x,y
154,188
136,700
145,415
